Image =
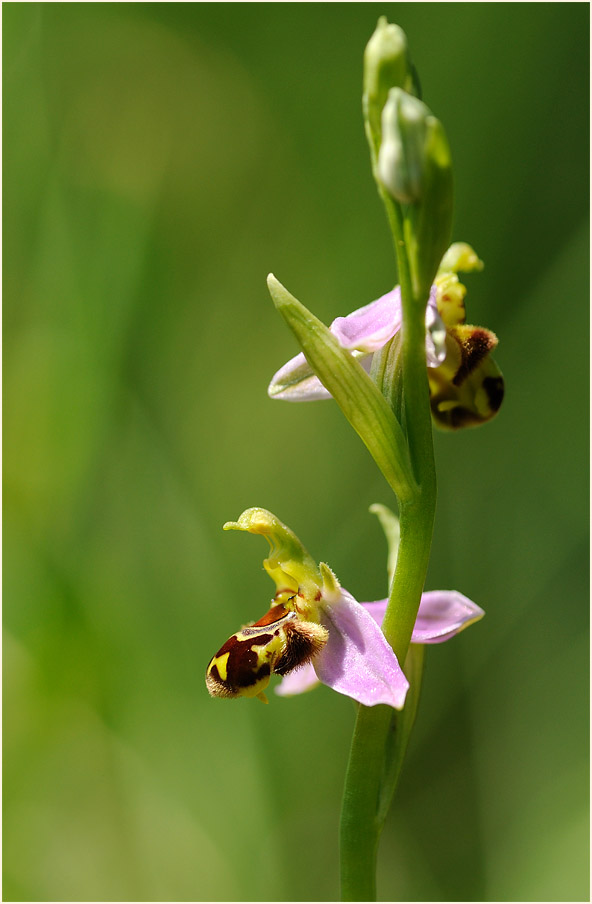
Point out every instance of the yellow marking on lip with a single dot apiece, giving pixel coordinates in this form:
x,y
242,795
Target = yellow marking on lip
x,y
221,664
255,690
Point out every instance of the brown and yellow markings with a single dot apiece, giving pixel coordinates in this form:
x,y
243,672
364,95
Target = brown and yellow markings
x,y
279,642
277,612
468,388
450,299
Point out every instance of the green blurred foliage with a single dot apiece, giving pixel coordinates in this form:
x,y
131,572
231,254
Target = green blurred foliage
x,y
159,160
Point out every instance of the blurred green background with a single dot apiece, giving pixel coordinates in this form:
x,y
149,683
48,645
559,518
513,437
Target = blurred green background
x,y
159,160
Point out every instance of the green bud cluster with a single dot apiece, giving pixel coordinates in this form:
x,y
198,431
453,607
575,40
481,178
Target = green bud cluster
x,y
386,64
410,153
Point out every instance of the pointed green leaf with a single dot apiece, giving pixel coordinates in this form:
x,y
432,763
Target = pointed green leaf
x,y
363,405
392,530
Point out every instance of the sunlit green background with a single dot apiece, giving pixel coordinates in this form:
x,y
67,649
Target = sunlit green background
x,y
159,160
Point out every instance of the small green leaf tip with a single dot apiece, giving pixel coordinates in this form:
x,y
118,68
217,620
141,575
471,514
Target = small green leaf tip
x,y
392,531
279,294
386,65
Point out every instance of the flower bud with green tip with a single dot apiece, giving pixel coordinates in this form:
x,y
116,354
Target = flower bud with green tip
x,y
386,65
401,160
415,167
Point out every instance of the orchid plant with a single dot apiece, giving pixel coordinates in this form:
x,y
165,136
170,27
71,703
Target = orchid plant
x,y
395,367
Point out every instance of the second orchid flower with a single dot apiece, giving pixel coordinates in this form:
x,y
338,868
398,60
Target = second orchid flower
x,y
466,385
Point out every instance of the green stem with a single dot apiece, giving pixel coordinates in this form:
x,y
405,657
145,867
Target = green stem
x,y
400,730
416,517
371,782
366,799
363,812
412,563
360,827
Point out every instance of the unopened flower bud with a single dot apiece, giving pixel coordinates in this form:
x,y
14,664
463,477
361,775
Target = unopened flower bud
x,y
402,155
386,65
414,166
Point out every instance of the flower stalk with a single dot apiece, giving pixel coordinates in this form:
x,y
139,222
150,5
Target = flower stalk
x,y
375,764
366,798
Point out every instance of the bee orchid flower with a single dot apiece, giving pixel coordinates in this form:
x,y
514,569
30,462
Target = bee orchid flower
x,y
466,385
316,631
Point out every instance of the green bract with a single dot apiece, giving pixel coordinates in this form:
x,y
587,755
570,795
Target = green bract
x,y
358,397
